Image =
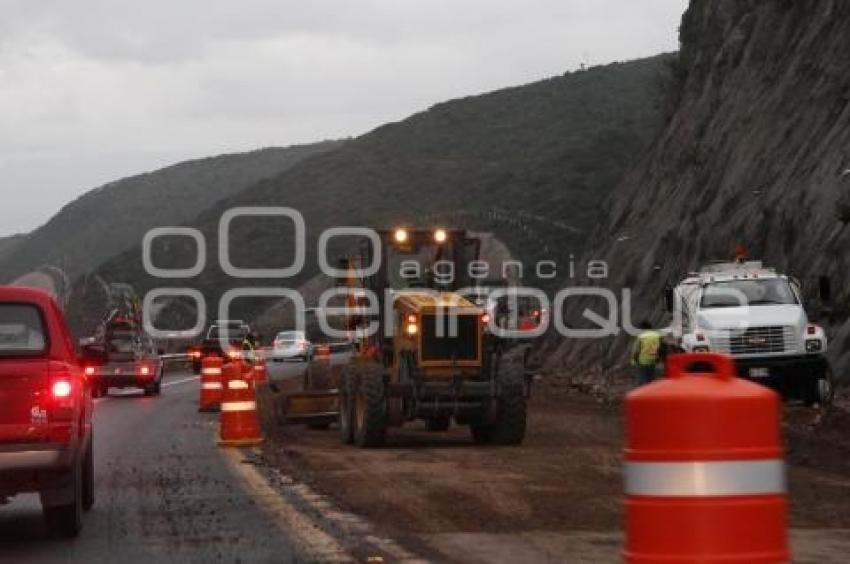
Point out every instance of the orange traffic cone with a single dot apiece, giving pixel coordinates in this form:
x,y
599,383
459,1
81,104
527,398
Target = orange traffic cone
x,y
239,424
260,375
248,371
210,383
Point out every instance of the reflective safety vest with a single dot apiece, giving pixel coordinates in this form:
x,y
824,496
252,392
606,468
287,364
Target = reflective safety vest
x,y
248,348
648,347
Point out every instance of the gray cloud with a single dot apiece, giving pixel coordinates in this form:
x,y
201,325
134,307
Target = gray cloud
x,y
96,89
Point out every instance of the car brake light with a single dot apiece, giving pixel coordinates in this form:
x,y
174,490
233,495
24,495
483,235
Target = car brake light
x,y
811,329
485,318
89,370
145,370
61,389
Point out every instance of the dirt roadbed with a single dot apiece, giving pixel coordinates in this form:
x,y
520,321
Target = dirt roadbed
x,y
556,498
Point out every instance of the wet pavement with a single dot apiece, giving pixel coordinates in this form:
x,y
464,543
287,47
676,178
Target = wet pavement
x,y
164,493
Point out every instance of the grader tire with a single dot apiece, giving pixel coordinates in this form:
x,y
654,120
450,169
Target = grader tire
x,y
511,411
346,408
370,407
509,428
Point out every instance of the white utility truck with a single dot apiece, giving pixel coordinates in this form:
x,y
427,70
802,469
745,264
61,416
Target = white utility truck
x,y
756,315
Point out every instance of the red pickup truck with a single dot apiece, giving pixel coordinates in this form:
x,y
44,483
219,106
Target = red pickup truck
x,y
45,410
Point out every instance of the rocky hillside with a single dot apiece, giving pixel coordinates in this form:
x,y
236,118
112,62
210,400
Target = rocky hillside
x,y
531,164
113,217
8,244
753,153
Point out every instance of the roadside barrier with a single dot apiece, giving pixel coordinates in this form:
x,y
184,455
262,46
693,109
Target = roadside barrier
x,y
704,470
239,422
210,384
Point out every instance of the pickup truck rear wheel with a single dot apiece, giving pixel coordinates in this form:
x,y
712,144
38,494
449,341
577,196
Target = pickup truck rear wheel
x,y
88,475
67,520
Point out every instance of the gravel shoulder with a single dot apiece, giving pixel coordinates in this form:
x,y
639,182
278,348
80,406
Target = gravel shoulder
x,y
559,493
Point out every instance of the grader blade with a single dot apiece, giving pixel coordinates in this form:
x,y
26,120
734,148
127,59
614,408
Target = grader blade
x,y
311,407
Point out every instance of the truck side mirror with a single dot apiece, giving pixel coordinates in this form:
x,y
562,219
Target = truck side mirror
x,y
668,298
825,289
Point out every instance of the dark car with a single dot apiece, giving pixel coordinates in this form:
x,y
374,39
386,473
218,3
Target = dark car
x,y
45,410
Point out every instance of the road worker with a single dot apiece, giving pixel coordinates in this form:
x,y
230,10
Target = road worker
x,y
249,347
646,353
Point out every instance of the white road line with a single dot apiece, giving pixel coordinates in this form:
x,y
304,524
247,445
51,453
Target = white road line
x,y
324,547
183,381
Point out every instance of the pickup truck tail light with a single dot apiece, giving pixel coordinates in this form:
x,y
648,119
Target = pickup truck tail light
x,y
62,396
61,389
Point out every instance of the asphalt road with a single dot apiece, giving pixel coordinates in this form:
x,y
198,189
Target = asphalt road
x,y
165,493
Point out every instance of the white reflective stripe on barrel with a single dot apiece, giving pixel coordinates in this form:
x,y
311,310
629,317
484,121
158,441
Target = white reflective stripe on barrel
x,y
716,478
211,385
211,371
237,385
239,406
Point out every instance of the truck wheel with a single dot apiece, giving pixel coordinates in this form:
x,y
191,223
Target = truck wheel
x,y
370,408
88,475
822,390
67,520
438,424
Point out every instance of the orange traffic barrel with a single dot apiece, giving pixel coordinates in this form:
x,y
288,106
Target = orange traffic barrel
x,y
239,423
704,473
210,383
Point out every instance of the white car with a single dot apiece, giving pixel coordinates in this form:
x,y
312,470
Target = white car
x,y
291,345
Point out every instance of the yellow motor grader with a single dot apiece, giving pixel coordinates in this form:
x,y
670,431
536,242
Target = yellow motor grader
x,y
431,357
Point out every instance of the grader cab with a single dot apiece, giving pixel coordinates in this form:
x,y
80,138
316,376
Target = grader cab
x,y
430,358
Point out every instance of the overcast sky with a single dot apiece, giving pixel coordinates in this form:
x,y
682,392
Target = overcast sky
x,y
95,90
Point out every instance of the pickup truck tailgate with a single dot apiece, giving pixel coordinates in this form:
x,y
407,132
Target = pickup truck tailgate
x,y
23,400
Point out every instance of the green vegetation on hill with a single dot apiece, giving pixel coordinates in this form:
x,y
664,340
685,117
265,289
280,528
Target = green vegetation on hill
x,y
531,164
108,220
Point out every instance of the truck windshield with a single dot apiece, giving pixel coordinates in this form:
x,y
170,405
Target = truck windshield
x,y
736,293
21,330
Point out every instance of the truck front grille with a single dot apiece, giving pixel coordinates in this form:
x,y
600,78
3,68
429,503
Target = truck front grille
x,y
461,344
755,340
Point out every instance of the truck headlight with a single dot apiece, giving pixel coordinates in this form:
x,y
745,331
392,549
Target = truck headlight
x,y
813,345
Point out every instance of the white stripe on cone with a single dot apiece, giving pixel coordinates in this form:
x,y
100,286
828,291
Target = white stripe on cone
x,y
211,371
239,406
211,385
237,385
698,479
